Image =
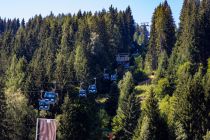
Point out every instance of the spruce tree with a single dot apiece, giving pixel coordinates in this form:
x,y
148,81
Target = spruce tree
x,y
62,73
190,114
3,126
204,30
17,109
128,110
78,121
162,35
187,39
81,63
152,126
206,83
163,65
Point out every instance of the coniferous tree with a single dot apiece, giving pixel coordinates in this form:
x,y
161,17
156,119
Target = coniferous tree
x,y
78,120
111,105
128,110
204,30
152,125
3,126
190,114
162,65
81,63
61,72
162,36
187,47
17,107
49,49
206,82
19,43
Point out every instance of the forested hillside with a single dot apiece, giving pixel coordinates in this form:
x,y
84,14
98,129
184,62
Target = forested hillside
x,y
162,93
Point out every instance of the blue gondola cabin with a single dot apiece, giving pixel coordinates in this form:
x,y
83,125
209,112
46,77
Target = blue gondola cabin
x,y
51,97
114,77
82,93
44,105
92,89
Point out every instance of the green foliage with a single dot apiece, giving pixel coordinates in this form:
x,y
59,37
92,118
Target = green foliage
x,y
65,49
3,126
163,88
80,64
162,36
208,69
15,74
112,103
162,66
18,114
139,62
187,40
207,136
145,132
181,133
141,39
104,119
204,34
128,110
70,48
78,120
166,106
139,75
190,105
152,126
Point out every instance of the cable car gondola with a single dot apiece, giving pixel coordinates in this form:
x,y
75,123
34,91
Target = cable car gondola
x,y
106,75
113,77
82,93
51,97
126,65
44,105
92,89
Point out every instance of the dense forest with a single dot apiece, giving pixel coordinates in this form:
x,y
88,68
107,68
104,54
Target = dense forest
x,y
163,94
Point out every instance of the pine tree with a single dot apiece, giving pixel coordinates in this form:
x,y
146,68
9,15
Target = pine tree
x,y
81,63
15,74
78,121
128,110
162,36
207,136
111,105
206,82
17,109
3,126
152,126
187,40
62,73
162,65
129,21
133,111
204,30
19,43
49,49
190,105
